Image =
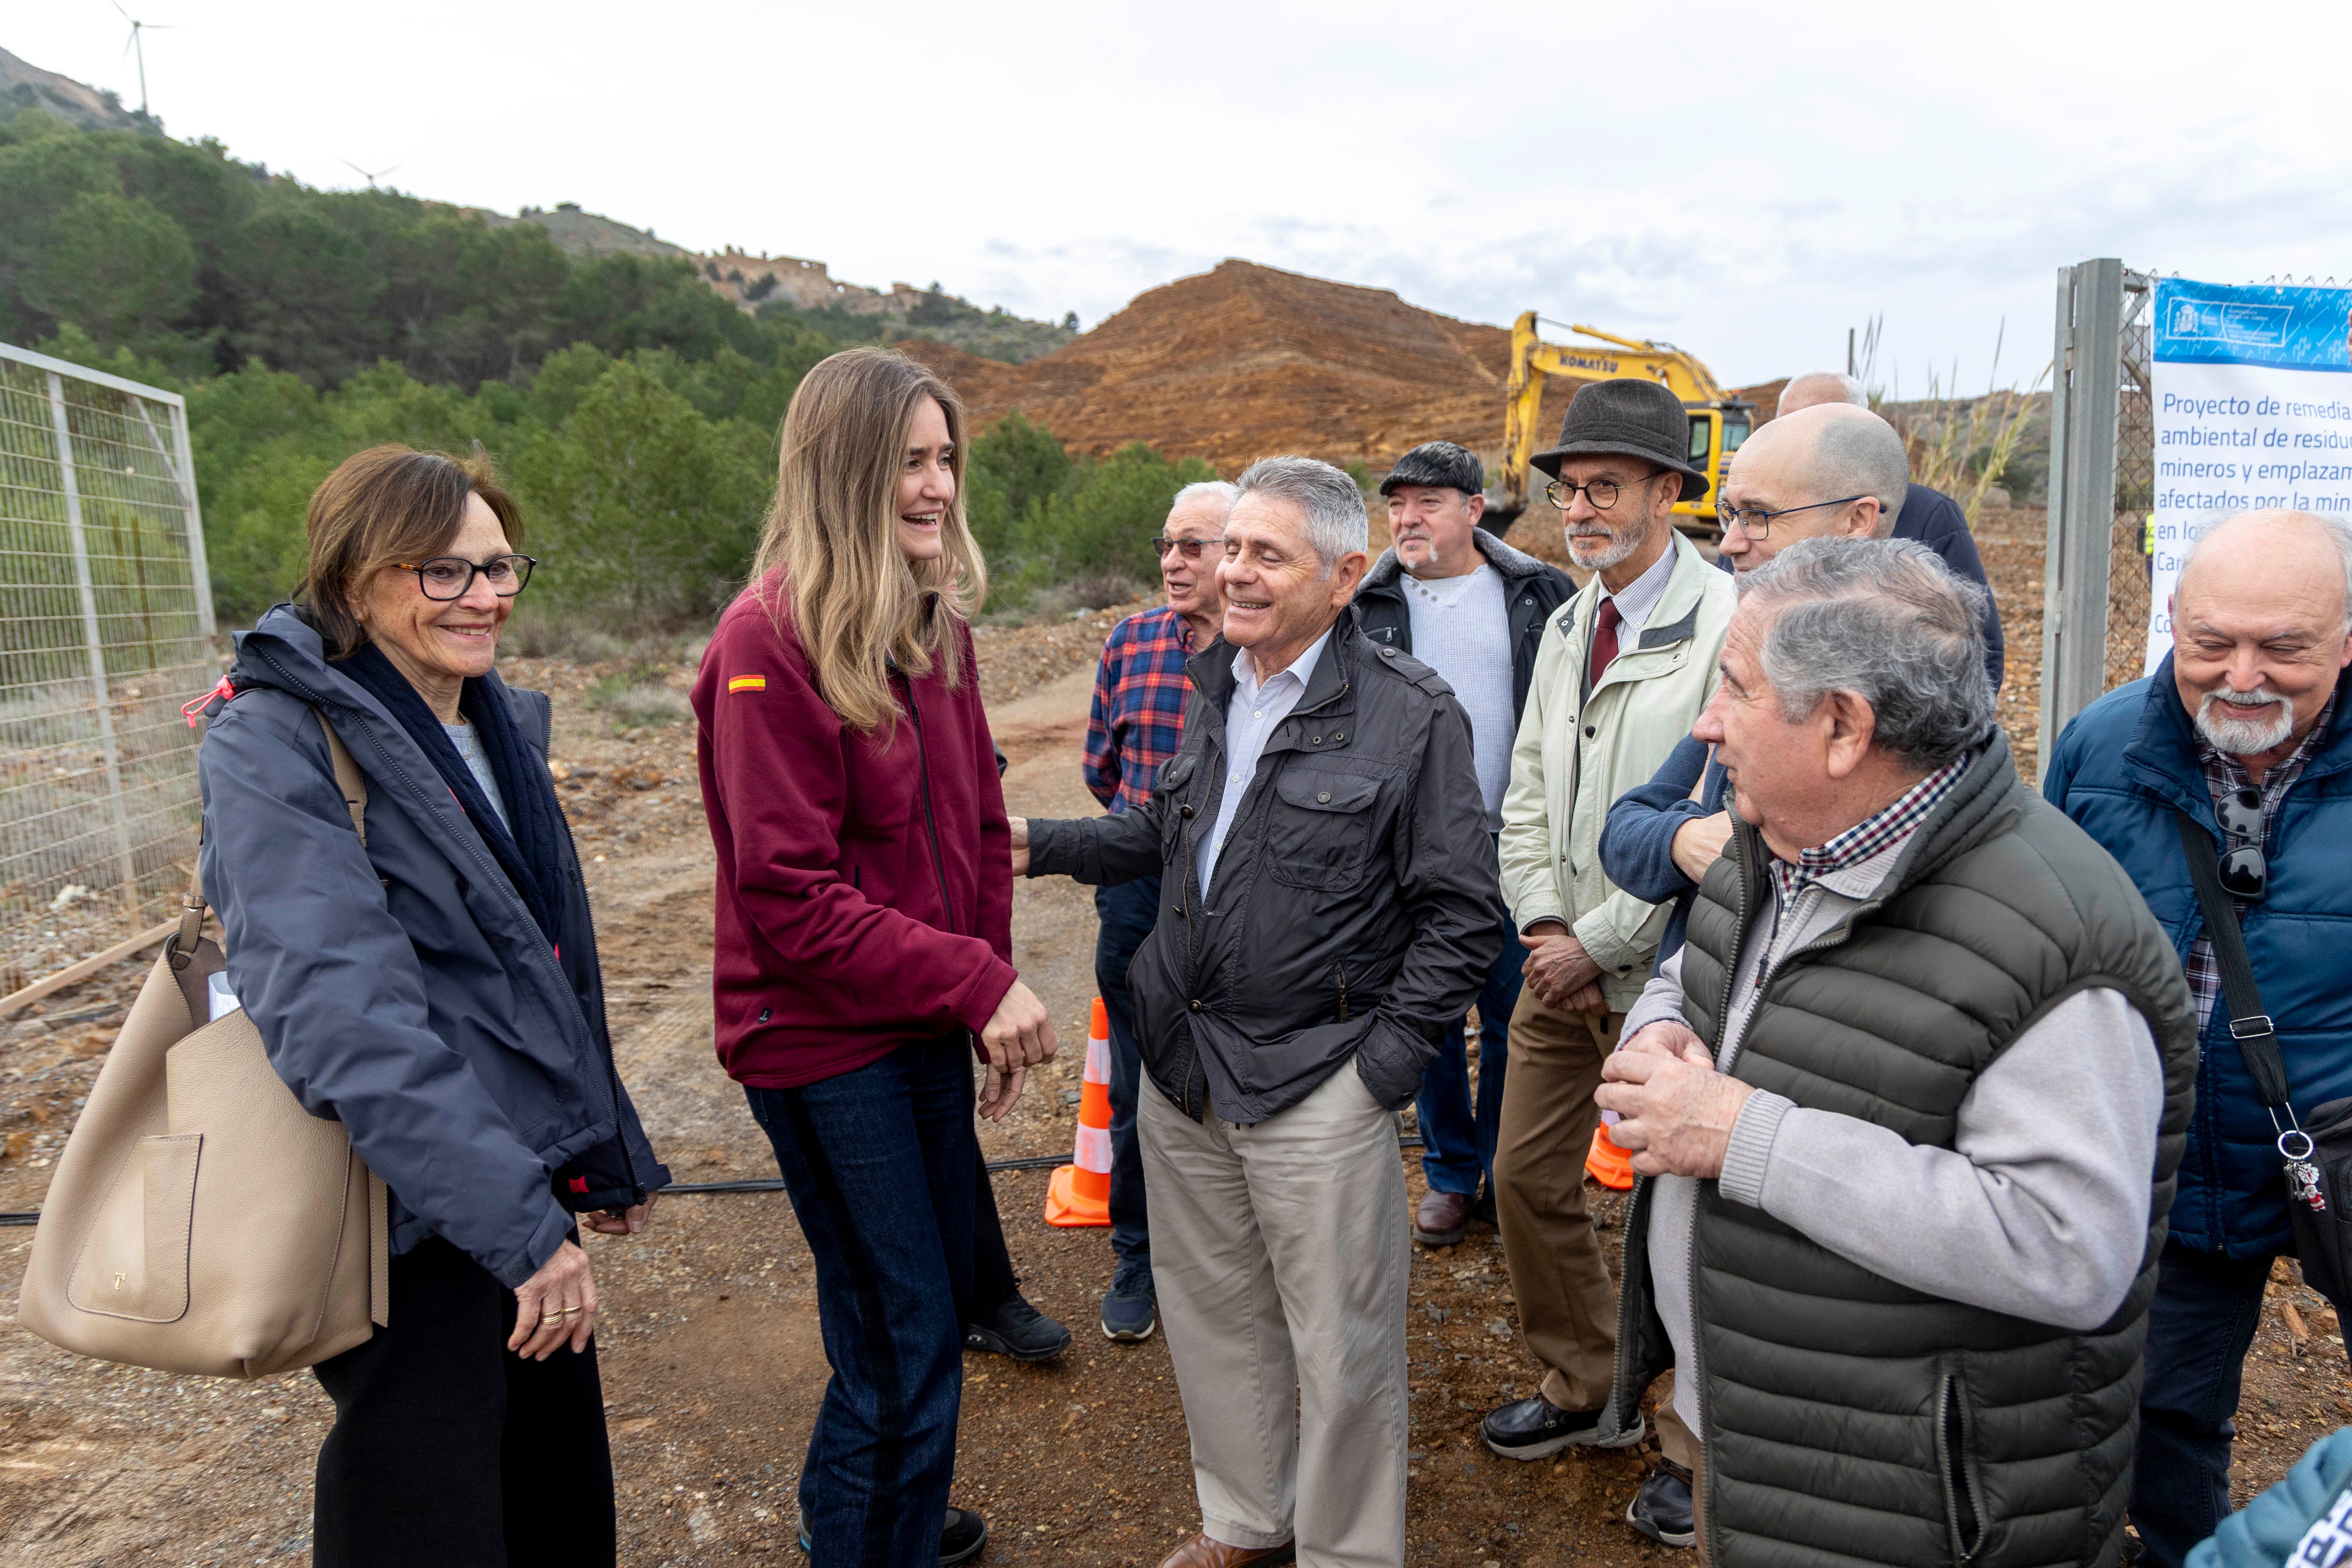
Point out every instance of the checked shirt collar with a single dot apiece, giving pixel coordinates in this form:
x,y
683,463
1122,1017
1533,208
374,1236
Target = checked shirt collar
x,y
1869,837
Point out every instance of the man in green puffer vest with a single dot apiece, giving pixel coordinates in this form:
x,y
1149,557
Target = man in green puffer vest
x,y
1907,1108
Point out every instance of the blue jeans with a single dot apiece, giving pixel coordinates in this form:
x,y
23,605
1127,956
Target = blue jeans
x,y
1457,1139
879,1166
2199,1327
1127,913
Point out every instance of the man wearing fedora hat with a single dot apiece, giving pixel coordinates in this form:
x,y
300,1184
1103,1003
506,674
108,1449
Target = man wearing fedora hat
x,y
1623,670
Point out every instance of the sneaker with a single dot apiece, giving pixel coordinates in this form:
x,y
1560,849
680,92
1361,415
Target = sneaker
x,y
1130,1310
1442,1218
1661,1508
1535,1429
1017,1329
961,1537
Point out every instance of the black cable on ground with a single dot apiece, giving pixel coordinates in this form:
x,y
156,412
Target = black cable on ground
x,y
756,1183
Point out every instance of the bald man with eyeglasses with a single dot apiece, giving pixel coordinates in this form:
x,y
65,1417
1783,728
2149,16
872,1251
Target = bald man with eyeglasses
x,y
1825,467
1136,725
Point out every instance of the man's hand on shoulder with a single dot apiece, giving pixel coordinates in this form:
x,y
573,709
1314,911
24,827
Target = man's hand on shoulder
x,y
1020,835
1675,1113
1699,842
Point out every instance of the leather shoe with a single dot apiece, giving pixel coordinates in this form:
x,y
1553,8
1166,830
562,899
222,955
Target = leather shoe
x,y
1441,1219
1661,1508
1203,1552
1535,1429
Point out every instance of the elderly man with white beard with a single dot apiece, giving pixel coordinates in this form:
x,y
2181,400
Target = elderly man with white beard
x,y
1623,671
2239,749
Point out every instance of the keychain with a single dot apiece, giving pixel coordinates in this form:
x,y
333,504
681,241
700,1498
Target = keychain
x,y
2302,1173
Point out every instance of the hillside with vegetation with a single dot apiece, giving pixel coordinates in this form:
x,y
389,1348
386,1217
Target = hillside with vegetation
x,y
634,408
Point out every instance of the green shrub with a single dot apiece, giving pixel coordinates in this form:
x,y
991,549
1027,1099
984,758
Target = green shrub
x,y
640,506
1104,521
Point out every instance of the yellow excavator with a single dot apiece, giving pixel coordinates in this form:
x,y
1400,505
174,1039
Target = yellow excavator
x,y
1719,422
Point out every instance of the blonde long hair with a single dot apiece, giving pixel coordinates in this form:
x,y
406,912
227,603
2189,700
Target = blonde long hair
x,y
858,604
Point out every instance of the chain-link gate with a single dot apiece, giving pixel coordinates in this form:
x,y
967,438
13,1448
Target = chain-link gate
x,y
106,628
2102,487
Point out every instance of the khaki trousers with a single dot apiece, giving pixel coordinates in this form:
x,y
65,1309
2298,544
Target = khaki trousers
x,y
1567,1307
1280,1254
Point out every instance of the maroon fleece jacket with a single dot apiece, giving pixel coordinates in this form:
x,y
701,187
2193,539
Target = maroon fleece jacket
x,y
850,918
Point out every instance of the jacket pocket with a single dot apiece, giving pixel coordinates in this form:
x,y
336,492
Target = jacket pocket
x,y
1319,829
1956,1464
1176,814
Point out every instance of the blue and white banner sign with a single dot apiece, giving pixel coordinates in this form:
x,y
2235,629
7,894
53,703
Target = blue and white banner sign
x,y
2254,410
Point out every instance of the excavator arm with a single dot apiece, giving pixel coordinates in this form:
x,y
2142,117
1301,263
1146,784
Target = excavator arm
x,y
1717,418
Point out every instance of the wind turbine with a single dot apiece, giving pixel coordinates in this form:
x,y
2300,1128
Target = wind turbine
x,y
363,174
137,26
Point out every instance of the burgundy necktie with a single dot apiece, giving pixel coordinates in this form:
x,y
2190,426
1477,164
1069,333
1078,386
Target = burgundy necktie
x,y
1604,641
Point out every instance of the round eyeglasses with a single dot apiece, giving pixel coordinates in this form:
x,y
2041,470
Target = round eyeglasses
x,y
446,577
1601,493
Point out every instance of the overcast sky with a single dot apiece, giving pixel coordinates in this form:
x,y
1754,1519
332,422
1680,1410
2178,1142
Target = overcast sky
x,y
1747,181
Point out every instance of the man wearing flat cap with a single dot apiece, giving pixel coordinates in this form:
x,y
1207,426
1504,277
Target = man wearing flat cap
x,y
1622,674
1474,610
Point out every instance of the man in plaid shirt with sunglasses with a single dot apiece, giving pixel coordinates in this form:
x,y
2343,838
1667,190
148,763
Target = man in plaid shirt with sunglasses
x,y
1136,723
2242,730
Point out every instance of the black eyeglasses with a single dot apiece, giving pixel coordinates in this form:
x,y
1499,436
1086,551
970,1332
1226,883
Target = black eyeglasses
x,y
446,577
1190,549
1757,523
1601,493
2244,873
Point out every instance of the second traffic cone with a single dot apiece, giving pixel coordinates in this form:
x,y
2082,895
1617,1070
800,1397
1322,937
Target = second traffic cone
x,y
1611,1166
1079,1193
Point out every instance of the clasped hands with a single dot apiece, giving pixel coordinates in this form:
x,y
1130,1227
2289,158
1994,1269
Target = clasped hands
x,y
1559,972
1675,1112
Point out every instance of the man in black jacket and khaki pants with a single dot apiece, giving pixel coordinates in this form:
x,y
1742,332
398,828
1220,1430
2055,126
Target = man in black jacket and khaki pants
x,y
1331,905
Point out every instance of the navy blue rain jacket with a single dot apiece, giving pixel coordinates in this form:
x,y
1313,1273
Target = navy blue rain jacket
x,y
404,987
2121,770
1637,840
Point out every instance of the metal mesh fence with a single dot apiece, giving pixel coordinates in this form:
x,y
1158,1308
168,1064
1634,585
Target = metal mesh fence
x,y
2128,559
106,627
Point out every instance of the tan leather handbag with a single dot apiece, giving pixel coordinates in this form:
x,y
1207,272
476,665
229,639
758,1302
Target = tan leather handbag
x,y
199,1220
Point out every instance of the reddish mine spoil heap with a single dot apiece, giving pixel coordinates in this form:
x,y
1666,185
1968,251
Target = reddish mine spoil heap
x,y
1245,361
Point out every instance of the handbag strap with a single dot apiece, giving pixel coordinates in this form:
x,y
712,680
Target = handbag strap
x,y
2248,1025
348,777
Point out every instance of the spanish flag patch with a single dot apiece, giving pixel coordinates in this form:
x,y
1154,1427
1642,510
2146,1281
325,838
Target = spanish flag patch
x,y
748,683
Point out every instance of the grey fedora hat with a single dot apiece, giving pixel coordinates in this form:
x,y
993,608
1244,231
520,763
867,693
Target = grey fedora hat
x,y
1631,417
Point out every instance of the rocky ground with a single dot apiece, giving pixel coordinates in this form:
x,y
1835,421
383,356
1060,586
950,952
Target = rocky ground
x,y
711,1358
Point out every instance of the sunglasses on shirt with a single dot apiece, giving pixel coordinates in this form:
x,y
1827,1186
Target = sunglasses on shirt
x,y
2244,874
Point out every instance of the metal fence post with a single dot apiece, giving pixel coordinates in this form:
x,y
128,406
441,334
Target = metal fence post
x,y
2083,416
198,562
96,648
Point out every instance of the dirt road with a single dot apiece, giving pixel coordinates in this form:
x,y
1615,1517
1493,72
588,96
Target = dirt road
x,y
712,1363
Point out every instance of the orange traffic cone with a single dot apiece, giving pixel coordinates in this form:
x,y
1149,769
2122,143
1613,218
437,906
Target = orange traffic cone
x,y
1079,1193
1611,1166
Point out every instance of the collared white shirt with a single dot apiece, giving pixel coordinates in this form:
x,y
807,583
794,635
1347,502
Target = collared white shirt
x,y
1250,718
1640,599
